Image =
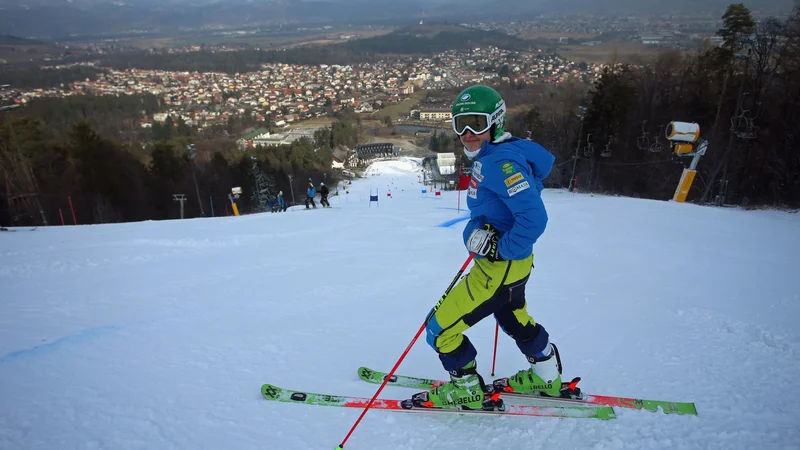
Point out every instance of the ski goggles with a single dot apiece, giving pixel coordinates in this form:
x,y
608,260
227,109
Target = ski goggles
x,y
478,123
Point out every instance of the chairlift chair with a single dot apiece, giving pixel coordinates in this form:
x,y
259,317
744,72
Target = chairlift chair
x,y
588,150
655,147
739,123
743,126
606,153
643,142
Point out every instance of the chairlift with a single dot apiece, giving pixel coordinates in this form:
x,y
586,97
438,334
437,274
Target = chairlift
x,y
643,142
743,125
606,153
738,123
656,147
588,150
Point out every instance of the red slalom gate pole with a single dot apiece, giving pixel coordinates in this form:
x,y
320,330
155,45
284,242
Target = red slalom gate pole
x,y
494,354
61,215
411,344
74,220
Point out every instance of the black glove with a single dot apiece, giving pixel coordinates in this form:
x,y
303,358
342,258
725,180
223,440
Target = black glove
x,y
483,242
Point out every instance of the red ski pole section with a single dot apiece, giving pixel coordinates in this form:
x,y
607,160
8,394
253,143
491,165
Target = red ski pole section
x,y
411,344
385,380
494,353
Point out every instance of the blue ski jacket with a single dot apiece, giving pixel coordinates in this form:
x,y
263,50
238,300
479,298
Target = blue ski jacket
x,y
311,192
505,192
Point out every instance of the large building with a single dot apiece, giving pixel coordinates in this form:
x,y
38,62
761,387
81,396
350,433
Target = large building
x,y
446,162
435,114
372,150
264,138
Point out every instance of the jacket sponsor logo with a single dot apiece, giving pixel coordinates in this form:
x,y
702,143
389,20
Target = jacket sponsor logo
x,y
518,188
508,168
472,192
476,171
517,177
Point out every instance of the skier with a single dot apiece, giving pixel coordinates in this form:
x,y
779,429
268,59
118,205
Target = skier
x,y
323,193
310,193
507,216
281,204
272,204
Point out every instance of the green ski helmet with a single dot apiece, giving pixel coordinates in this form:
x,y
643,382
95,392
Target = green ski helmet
x,y
479,108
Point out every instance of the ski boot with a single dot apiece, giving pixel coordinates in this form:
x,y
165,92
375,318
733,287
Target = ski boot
x,y
543,378
466,390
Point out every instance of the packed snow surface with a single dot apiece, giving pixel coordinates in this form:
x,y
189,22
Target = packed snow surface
x,y
159,335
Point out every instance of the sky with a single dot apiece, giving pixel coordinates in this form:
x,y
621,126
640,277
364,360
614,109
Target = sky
x,y
159,334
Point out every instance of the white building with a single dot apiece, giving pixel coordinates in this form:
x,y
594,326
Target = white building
x,y
435,114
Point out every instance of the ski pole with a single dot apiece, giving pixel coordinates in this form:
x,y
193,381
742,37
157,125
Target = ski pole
x,y
411,344
494,354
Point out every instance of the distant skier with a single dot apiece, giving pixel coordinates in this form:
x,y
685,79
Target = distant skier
x,y
281,204
323,193
272,204
507,216
310,193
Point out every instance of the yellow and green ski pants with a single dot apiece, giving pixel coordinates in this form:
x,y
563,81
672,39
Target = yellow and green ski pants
x,y
489,288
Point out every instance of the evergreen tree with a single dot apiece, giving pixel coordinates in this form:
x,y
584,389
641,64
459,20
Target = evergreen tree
x,y
737,27
263,188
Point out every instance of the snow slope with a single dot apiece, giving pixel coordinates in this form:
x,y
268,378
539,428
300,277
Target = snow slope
x,y
158,335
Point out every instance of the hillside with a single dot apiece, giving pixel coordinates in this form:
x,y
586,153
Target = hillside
x,y
428,39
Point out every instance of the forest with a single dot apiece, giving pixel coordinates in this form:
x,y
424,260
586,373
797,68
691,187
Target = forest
x,y
35,77
54,161
744,95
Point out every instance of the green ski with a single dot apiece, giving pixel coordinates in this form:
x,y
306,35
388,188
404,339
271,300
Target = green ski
x,y
374,376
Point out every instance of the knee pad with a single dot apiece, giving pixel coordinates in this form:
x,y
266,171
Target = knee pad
x,y
432,331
